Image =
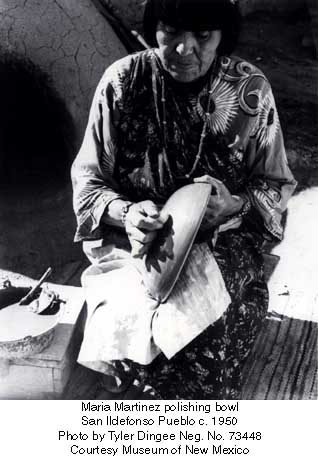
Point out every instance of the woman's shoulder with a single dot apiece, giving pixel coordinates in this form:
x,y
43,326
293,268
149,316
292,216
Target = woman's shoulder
x,y
236,68
126,68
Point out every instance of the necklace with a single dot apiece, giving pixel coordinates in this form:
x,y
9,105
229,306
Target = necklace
x,y
163,159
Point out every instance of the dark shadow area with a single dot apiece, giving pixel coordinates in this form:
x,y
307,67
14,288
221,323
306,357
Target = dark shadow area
x,y
121,29
36,129
162,247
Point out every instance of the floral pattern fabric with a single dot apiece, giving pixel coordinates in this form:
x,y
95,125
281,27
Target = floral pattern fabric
x,y
141,142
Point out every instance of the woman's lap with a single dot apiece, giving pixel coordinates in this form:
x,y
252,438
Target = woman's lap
x,y
210,367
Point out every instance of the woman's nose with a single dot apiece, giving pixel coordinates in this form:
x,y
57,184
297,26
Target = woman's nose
x,y
186,45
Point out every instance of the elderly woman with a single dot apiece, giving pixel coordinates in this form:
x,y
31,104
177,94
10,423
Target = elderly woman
x,y
185,110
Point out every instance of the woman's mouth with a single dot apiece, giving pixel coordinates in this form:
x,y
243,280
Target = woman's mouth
x,y
184,65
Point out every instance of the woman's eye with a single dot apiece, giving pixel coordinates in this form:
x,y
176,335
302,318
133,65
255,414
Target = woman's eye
x,y
203,35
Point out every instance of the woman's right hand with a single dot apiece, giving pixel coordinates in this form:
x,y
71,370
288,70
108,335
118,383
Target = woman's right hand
x,y
143,220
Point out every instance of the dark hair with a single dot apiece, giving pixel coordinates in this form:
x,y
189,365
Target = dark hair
x,y
195,15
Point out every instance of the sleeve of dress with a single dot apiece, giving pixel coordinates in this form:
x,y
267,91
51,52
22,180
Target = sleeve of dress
x,y
92,171
271,183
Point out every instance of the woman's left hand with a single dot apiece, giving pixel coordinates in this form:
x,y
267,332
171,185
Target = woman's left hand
x,y
221,203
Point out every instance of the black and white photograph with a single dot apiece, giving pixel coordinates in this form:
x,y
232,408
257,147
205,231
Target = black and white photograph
x,y
158,200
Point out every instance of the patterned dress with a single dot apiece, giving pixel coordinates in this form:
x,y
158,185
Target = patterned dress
x,y
141,142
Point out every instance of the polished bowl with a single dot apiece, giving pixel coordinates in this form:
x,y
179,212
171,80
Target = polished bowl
x,y
161,266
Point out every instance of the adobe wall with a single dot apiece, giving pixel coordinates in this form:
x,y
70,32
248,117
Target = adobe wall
x,y
67,39
71,43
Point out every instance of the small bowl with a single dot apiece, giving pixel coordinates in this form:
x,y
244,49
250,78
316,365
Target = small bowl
x,y
24,345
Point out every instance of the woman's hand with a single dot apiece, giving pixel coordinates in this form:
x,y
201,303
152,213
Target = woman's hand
x,y
143,220
221,203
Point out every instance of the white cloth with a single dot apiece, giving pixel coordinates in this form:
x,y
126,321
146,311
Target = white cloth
x,y
125,322
120,314
198,299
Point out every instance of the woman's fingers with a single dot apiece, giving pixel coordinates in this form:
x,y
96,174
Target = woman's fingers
x,y
214,203
149,208
139,235
206,179
136,219
140,240
216,183
152,211
138,249
146,215
142,222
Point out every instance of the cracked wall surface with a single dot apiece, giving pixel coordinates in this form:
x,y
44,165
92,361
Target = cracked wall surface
x,y
69,40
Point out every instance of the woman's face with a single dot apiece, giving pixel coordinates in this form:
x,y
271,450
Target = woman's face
x,y
186,55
